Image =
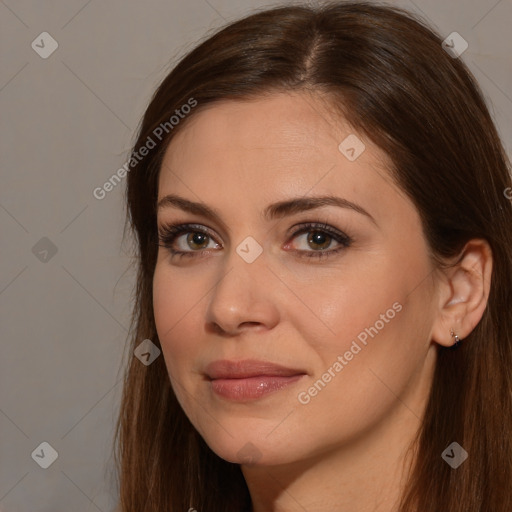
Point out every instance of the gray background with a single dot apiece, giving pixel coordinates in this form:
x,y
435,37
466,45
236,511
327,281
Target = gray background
x,y
67,124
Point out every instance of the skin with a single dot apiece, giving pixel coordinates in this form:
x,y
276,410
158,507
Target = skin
x,y
345,449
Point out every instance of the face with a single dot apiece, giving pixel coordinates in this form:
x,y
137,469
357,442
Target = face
x,y
293,329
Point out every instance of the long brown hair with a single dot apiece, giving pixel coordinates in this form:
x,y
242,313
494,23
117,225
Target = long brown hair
x,y
388,74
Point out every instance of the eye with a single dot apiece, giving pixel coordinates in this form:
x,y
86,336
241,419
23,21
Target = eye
x,y
320,237
198,238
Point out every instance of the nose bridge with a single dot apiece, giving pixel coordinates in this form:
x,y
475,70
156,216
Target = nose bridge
x,y
244,269
240,295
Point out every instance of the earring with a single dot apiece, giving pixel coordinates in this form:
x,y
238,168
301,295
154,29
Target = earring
x,y
456,338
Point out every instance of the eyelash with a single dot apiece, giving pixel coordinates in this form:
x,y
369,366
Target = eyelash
x,y
168,233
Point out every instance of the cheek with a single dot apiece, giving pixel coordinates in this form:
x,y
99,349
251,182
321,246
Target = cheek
x,y
176,304
378,317
383,332
350,303
175,299
358,383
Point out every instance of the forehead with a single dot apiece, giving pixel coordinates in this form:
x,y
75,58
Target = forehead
x,y
286,127
273,148
279,122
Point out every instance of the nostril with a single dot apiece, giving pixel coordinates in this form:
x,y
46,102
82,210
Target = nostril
x,y
251,325
218,329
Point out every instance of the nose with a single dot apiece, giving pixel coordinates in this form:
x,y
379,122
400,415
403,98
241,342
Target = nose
x,y
244,297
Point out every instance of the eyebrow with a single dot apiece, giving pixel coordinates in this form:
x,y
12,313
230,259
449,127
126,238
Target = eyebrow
x,y
273,211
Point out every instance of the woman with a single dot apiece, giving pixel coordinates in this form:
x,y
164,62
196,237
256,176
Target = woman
x,y
324,251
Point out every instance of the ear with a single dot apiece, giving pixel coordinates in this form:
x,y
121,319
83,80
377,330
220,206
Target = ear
x,y
463,293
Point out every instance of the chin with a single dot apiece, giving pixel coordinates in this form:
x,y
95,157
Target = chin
x,y
248,448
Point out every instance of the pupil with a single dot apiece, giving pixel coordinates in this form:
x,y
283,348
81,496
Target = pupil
x,y
198,238
318,238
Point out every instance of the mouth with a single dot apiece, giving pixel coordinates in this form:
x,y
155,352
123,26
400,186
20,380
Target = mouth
x,y
249,379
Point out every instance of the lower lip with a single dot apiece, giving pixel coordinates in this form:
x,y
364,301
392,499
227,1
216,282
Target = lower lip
x,y
251,388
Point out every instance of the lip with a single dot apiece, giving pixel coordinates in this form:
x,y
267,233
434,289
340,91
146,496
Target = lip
x,y
226,369
249,379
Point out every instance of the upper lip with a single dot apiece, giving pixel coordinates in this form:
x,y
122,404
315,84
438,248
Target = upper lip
x,y
225,369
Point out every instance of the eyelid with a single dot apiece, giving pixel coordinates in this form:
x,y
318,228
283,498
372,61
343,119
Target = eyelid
x,y
342,239
199,226
175,230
